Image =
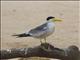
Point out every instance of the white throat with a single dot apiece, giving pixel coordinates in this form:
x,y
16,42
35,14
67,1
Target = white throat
x,y
51,25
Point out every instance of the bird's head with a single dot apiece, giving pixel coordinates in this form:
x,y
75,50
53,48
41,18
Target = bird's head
x,y
53,19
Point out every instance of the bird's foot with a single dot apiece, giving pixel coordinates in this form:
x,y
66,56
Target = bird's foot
x,y
46,47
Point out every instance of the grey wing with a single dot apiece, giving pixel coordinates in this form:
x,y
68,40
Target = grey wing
x,y
40,30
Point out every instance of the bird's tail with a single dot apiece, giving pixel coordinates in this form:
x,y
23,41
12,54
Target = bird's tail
x,y
22,35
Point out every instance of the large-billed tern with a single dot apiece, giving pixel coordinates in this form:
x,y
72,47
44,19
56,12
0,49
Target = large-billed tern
x,y
42,31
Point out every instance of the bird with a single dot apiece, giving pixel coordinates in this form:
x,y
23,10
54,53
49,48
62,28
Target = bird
x,y
42,31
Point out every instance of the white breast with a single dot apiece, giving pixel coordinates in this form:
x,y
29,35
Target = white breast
x,y
51,28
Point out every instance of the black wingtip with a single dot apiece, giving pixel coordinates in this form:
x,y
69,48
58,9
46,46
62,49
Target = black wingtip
x,y
21,35
16,35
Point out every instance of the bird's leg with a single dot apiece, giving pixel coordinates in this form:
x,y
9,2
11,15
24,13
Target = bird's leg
x,y
45,39
48,48
41,41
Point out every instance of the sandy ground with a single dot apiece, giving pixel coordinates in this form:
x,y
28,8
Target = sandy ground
x,y
18,17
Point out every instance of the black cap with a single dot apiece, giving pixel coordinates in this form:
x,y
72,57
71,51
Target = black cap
x,y
50,17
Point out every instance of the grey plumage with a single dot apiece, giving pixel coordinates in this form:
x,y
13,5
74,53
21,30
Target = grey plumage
x,y
40,30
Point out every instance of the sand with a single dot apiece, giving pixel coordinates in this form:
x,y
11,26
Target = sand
x,y
18,17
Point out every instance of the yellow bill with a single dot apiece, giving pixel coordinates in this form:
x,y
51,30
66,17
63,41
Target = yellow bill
x,y
57,19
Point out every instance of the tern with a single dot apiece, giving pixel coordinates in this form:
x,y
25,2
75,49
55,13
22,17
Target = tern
x,y
42,31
